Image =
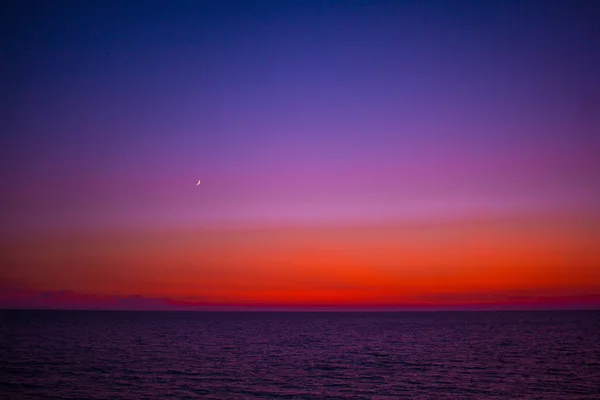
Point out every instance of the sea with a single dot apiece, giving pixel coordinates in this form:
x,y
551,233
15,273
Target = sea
x,y
299,355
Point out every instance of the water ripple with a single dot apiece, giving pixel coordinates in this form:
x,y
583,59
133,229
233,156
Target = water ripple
x,y
147,355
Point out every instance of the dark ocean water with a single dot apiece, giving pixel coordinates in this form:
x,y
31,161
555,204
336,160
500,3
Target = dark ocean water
x,y
153,355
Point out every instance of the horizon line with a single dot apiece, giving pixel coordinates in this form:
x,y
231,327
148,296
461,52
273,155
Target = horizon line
x,y
318,310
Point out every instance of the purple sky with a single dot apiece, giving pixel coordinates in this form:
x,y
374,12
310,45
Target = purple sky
x,y
289,112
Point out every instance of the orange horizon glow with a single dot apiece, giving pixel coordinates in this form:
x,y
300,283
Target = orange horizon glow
x,y
456,262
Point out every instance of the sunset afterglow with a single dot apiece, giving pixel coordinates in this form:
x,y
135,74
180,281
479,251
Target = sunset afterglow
x,y
381,155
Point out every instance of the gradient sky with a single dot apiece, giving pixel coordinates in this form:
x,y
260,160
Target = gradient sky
x,y
352,153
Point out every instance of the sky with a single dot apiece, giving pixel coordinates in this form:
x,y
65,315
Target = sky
x,y
352,154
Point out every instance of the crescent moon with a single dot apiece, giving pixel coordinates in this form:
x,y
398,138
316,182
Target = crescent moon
x,y
198,182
